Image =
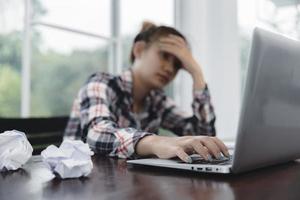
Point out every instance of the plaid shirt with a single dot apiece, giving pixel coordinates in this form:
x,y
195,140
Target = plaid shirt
x,y
102,115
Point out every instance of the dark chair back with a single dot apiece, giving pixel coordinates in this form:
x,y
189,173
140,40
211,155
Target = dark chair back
x,y
41,132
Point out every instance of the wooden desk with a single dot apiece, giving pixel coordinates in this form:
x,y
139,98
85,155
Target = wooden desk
x,y
113,179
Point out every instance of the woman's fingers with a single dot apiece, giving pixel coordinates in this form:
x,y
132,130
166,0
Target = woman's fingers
x,y
174,39
221,145
178,39
183,155
200,149
212,147
204,146
171,41
168,48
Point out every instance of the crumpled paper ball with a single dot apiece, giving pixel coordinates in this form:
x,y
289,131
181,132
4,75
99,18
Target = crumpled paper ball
x,y
71,160
15,150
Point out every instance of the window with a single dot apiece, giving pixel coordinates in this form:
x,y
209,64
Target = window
x,y
59,68
11,20
92,16
68,41
278,15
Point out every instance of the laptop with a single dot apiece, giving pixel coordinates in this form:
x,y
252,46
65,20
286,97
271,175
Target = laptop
x,y
269,123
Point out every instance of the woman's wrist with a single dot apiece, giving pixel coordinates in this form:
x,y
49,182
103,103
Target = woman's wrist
x,y
145,147
197,75
198,80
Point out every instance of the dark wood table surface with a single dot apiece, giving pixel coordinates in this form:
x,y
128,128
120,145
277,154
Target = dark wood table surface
x,y
114,179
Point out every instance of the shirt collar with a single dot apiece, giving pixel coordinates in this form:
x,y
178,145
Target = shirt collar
x,y
127,81
127,85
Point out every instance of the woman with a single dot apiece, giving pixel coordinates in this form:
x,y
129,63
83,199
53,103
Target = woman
x,y
120,115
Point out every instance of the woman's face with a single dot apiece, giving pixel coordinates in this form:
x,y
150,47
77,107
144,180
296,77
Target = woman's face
x,y
157,68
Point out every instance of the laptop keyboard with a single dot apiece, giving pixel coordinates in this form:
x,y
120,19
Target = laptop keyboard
x,y
197,159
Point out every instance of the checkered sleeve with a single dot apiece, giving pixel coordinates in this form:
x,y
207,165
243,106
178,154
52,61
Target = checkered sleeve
x,y
103,134
201,122
72,130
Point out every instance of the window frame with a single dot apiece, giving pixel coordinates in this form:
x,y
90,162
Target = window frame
x,y
114,41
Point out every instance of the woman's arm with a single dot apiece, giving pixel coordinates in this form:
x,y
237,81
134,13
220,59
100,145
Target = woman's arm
x,y
98,123
104,137
201,122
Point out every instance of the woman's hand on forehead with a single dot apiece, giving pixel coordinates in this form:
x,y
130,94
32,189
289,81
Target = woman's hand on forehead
x,y
178,47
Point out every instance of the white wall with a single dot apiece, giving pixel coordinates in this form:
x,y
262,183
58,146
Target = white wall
x,y
212,30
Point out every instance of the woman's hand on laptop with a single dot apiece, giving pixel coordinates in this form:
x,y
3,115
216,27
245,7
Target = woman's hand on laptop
x,y
182,147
